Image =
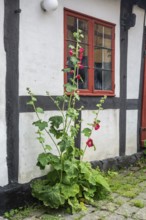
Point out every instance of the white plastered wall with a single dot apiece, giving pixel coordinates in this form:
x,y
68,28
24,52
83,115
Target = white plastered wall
x,y
131,132
41,58
135,37
30,147
41,42
3,163
106,139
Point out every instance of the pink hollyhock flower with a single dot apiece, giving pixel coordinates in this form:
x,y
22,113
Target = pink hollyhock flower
x,y
81,56
78,77
90,142
70,52
81,50
96,126
81,66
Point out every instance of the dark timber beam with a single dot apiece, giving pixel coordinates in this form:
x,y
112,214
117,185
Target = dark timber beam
x,y
11,42
126,12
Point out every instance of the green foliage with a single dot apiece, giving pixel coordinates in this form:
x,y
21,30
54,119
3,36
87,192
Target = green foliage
x,y
144,147
138,203
20,213
71,182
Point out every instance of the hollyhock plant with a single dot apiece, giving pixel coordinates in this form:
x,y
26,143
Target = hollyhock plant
x,y
71,182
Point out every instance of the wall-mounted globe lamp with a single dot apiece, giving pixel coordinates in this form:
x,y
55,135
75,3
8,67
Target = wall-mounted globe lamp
x,y
49,5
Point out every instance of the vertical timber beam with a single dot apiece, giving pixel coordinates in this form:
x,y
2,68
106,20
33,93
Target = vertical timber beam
x,y
141,89
11,42
126,11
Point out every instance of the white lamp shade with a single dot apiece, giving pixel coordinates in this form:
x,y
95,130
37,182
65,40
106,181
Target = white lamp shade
x,y
49,5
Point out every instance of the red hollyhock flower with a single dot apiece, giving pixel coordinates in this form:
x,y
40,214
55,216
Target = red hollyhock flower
x,y
72,71
81,50
81,56
78,77
90,142
70,52
96,126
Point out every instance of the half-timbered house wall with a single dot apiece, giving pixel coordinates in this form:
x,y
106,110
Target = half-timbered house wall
x,y
32,55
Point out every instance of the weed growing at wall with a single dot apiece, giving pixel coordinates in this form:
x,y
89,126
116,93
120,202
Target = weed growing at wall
x,y
71,182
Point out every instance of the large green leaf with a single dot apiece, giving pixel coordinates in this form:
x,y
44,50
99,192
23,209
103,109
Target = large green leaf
x,y
71,168
87,132
70,190
50,195
49,159
56,132
39,110
74,60
101,180
75,205
76,96
56,121
70,88
41,124
72,113
64,144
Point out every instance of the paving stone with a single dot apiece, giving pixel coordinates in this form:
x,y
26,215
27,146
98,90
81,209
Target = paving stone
x,y
141,196
109,207
127,210
96,215
122,199
141,214
115,195
143,184
115,217
134,168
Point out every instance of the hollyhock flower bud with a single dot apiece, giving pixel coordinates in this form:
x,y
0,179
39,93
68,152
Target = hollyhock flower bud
x,y
96,126
78,77
90,143
70,52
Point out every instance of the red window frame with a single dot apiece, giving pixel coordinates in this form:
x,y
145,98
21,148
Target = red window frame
x,y
91,21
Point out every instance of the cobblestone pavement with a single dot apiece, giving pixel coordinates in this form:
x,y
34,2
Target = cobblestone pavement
x,y
117,207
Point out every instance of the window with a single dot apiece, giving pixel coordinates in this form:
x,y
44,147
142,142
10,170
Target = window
x,y
98,59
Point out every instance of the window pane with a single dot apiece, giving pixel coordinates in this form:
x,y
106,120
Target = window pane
x,y
102,36
81,83
102,80
73,24
71,27
98,38
83,25
107,37
102,57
